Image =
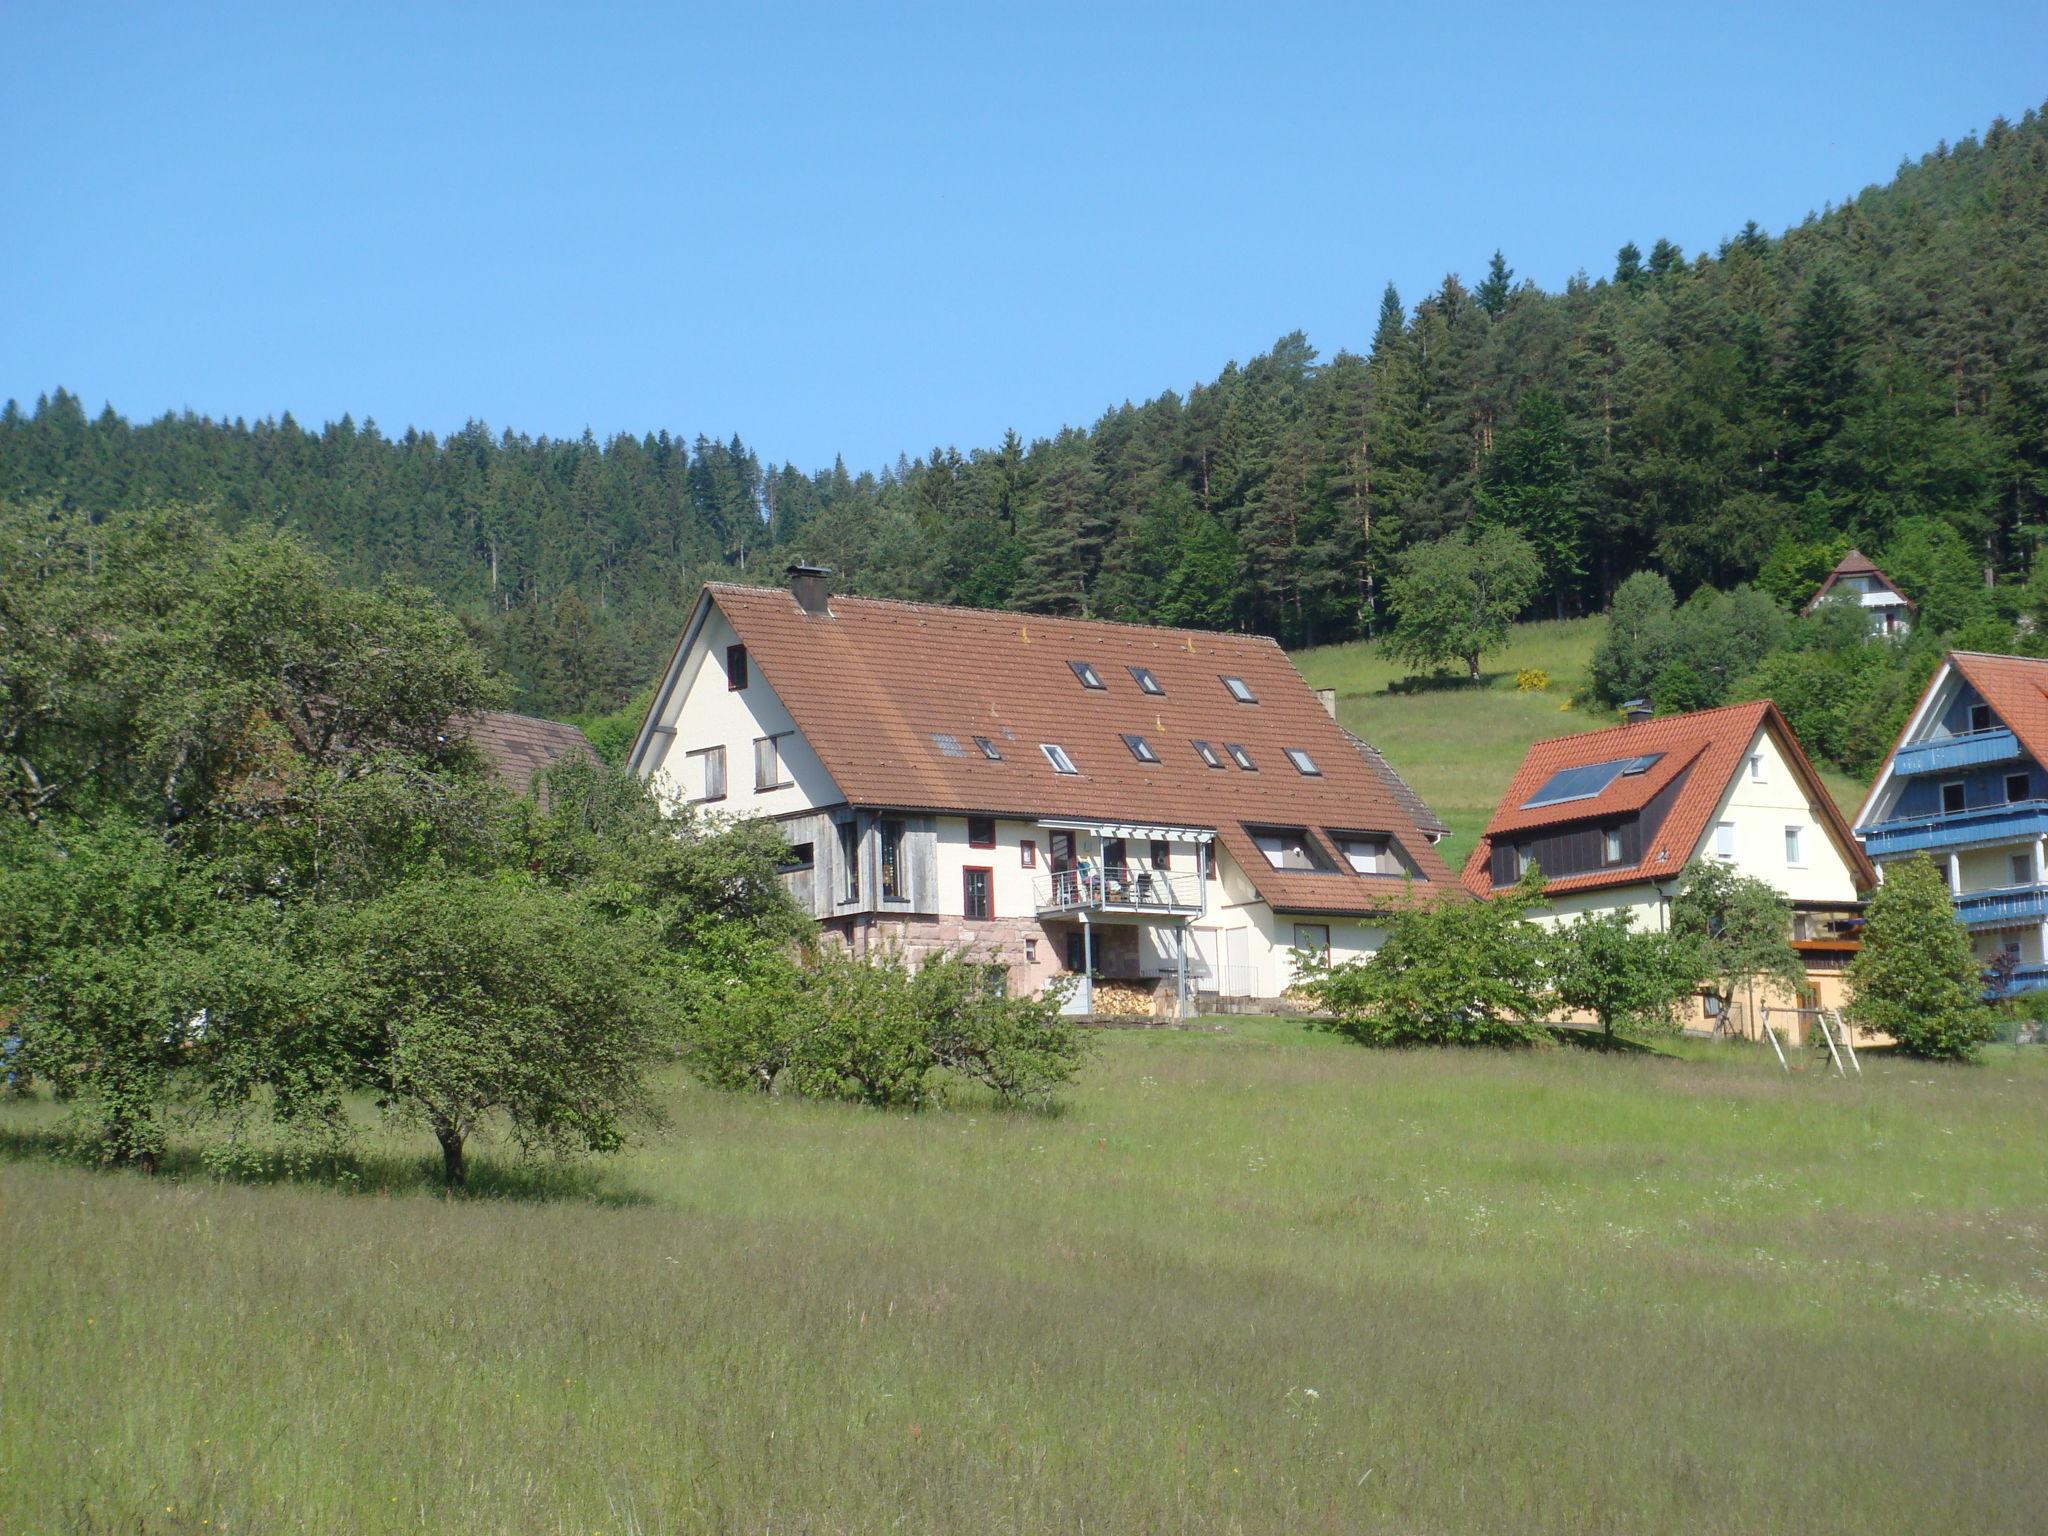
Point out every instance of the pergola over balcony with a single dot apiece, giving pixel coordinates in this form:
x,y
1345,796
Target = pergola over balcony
x,y
1126,886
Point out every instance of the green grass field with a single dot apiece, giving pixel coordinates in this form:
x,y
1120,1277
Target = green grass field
x,y
1460,745
1252,1280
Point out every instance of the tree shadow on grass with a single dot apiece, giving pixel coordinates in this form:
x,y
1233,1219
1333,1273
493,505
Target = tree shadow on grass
x,y
1581,1037
351,1172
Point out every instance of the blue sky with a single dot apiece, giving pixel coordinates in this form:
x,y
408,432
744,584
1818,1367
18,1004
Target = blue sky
x,y
840,229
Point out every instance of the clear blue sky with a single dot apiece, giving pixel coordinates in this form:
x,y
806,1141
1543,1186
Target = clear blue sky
x,y
833,230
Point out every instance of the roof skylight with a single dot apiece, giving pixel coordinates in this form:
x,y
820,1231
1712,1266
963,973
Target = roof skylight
x,y
1207,754
1146,682
1141,749
989,749
1240,690
1089,677
1303,763
1239,756
1057,756
1589,780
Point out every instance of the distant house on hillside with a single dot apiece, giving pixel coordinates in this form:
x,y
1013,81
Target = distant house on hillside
x,y
519,748
1169,810
1890,610
1967,784
1612,818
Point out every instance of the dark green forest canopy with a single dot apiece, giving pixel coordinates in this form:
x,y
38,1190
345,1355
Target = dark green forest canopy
x,y
1887,358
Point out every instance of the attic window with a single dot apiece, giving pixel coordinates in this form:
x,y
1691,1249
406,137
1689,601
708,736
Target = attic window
x,y
1367,854
1292,848
1980,717
735,667
1089,677
949,746
1240,690
1141,749
1146,682
1239,756
1057,756
1207,754
988,749
1303,763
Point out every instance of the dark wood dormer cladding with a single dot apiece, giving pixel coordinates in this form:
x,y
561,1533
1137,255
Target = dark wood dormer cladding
x,y
1587,847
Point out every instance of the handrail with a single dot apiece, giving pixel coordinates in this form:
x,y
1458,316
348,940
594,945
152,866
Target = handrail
x,y
1121,887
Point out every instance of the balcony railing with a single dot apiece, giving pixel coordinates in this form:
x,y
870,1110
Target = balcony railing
x,y
1120,888
1982,826
2003,907
1946,754
2028,978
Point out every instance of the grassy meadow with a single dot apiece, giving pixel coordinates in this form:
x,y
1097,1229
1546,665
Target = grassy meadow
x,y
1459,745
1252,1279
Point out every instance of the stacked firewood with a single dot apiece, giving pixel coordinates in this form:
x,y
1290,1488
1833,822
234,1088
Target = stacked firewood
x,y
1126,999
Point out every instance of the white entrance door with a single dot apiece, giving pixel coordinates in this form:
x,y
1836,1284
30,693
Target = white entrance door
x,y
1236,980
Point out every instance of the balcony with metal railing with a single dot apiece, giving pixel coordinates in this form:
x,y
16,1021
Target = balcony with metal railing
x,y
1980,827
1126,888
1947,754
2003,907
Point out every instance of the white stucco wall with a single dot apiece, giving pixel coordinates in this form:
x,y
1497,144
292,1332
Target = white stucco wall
x,y
1642,897
1760,810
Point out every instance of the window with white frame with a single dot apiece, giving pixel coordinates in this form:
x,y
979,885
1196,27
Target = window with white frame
x,y
1756,767
1303,763
1610,846
1724,840
1057,756
1792,846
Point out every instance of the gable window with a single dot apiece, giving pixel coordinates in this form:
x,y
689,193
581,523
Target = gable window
x,y
1792,845
977,893
1146,682
768,763
1239,756
735,667
1724,840
988,749
1027,854
1089,677
1240,690
1756,767
1291,848
1141,749
1303,763
1207,754
849,861
1057,756
894,886
1952,798
1610,846
712,766
981,831
1980,717
1525,860
1162,854
2017,786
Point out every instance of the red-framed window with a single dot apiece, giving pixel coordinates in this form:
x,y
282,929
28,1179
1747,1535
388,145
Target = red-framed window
x,y
981,831
978,893
1027,854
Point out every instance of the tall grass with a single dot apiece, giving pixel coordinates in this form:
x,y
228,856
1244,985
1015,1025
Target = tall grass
x,y
1250,1281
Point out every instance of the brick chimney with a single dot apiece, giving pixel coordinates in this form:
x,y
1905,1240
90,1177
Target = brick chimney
x,y
811,585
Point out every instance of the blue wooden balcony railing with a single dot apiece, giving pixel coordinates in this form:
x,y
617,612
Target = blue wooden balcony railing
x,y
2013,822
2003,907
1946,754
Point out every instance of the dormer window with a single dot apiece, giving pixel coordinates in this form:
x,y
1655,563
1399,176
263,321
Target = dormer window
x,y
1141,749
1207,754
1146,682
1089,677
988,749
1240,690
1239,756
1303,763
1057,756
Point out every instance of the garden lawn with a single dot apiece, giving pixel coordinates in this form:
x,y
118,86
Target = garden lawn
x,y
1459,744
1252,1280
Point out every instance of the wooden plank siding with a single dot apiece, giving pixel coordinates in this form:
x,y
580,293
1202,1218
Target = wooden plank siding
x,y
1580,849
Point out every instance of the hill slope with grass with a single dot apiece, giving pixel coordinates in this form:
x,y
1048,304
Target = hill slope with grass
x,y
1459,744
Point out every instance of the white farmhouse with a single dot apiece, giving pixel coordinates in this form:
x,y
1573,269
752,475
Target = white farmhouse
x,y
1168,808
1889,610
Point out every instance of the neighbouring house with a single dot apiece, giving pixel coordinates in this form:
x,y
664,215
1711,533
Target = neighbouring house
x,y
1965,784
1167,810
1612,818
519,748
1889,610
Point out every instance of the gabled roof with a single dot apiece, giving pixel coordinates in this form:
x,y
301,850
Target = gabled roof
x,y
1856,563
518,748
1704,750
890,696
2016,688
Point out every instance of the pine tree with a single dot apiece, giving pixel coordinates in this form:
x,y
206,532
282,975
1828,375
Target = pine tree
x,y
1493,292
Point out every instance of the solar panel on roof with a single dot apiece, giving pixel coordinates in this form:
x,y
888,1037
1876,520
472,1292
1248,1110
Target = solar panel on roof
x,y
1581,783
1643,764
948,744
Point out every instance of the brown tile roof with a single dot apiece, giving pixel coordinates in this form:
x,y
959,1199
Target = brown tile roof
x,y
872,685
2016,688
1855,563
1707,747
519,747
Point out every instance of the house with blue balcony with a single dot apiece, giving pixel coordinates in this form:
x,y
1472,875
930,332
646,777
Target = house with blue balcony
x,y
1965,785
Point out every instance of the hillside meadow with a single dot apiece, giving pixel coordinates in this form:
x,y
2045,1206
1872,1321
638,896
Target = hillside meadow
x,y
1252,1279
1459,743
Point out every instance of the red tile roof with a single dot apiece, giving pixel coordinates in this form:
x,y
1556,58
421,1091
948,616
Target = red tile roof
x,y
1707,747
873,683
520,747
2016,688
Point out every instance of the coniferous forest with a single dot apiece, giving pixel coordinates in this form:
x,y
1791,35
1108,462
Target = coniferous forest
x,y
1710,416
